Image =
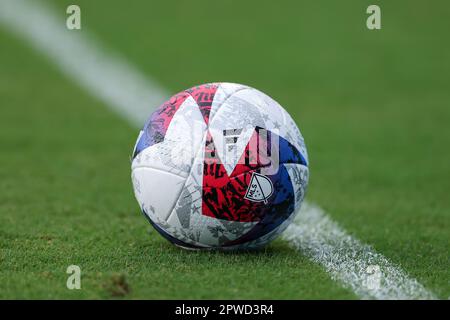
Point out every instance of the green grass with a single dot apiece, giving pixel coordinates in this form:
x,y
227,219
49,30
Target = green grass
x,y
373,106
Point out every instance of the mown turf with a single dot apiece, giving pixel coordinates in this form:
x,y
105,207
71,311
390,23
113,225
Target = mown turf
x,y
373,106
66,199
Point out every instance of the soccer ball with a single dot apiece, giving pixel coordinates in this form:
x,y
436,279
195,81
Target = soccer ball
x,y
220,165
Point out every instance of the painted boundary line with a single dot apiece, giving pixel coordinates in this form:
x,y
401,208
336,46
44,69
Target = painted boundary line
x,y
104,75
356,265
124,89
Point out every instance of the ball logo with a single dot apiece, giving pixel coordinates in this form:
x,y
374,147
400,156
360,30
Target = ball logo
x,y
260,188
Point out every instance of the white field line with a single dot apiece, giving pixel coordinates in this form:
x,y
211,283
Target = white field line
x,y
358,266
101,73
120,86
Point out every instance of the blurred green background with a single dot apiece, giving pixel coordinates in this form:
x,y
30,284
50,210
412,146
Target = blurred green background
x,y
373,106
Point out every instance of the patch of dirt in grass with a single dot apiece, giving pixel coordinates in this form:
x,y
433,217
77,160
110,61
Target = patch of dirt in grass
x,y
117,286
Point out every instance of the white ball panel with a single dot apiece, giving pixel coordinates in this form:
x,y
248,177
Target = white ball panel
x,y
156,191
183,139
223,92
299,175
271,115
